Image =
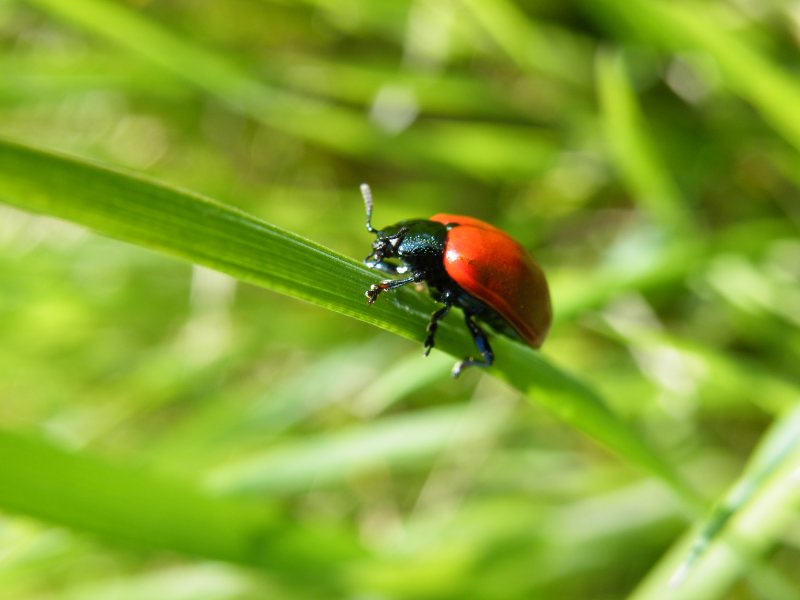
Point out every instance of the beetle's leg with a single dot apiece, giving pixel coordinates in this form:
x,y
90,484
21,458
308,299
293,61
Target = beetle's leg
x,y
435,318
446,299
376,288
481,342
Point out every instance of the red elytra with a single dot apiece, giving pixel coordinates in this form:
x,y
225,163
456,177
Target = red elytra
x,y
494,268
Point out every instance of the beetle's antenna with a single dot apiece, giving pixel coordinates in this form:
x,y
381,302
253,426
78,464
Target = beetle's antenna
x,y
366,193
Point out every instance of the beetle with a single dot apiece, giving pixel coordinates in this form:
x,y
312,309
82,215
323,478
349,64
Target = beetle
x,y
467,263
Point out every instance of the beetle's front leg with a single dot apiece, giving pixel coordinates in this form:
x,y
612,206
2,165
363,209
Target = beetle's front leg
x,y
389,284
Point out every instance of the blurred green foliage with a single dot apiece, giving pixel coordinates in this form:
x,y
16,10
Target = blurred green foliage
x,y
167,431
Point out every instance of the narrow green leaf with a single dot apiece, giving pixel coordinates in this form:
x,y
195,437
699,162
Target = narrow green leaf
x,y
134,507
635,155
488,150
328,458
747,72
750,520
200,230
532,46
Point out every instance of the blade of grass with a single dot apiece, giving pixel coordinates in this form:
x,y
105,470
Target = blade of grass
x,y
324,459
192,582
136,508
481,149
745,71
644,261
641,262
749,521
531,46
728,377
635,155
197,229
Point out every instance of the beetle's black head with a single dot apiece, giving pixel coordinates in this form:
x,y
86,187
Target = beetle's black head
x,y
415,243
387,243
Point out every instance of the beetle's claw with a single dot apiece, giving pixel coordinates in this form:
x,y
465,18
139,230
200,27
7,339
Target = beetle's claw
x,y
372,293
428,345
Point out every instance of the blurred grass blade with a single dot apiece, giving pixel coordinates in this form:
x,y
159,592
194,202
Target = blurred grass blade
x,y
632,149
201,581
576,403
781,445
136,508
746,72
645,260
721,379
220,237
532,47
750,520
331,458
641,263
488,150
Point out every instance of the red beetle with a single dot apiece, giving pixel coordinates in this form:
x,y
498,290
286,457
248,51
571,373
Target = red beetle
x,y
469,264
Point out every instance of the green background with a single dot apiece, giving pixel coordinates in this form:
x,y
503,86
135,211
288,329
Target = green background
x,y
196,403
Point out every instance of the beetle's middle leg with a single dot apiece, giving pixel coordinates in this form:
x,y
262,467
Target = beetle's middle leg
x,y
434,324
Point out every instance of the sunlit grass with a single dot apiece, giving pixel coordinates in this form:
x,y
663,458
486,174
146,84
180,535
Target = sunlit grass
x,y
173,427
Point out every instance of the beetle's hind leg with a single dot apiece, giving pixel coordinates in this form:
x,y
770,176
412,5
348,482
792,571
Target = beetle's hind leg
x,y
481,343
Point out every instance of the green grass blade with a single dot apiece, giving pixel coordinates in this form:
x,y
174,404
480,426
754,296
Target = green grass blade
x,y
197,229
745,70
488,150
531,46
200,230
136,508
332,458
635,155
750,520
